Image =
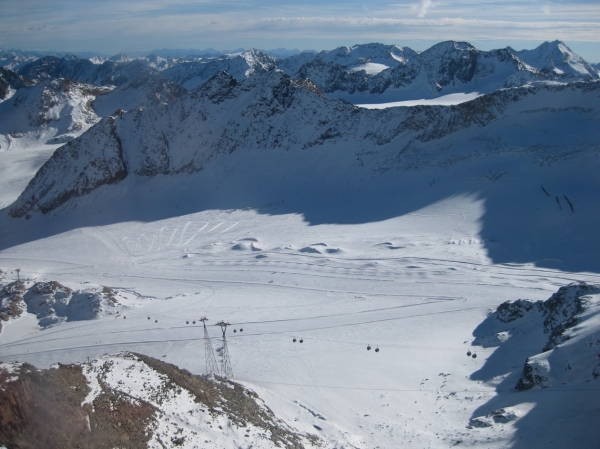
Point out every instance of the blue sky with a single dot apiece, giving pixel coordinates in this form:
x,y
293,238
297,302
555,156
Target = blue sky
x,y
111,26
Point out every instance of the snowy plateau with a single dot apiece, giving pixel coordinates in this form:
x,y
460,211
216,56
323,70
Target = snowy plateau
x,y
404,246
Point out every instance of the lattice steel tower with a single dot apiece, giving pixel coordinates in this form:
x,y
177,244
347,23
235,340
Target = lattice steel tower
x,y
211,363
226,371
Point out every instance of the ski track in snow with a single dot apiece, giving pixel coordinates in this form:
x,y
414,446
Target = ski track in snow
x,y
405,303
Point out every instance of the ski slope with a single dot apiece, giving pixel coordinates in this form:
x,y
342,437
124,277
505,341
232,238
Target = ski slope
x,y
416,286
410,259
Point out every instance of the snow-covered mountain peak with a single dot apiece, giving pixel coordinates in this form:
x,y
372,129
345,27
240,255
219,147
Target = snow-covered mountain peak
x,y
258,62
557,57
120,57
448,47
216,88
49,109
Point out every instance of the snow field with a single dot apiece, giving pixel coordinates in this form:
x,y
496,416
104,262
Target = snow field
x,y
415,286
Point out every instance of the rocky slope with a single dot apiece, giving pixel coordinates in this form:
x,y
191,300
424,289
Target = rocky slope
x,y
272,112
53,303
133,401
555,57
357,56
449,67
557,337
195,73
10,82
13,59
57,109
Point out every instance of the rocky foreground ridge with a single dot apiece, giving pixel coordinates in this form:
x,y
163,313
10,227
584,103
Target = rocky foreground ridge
x,y
133,401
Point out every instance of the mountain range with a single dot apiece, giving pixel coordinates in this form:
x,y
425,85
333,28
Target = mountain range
x,y
404,245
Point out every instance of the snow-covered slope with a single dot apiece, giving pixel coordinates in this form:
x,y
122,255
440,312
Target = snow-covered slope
x,y
53,67
298,217
57,109
193,74
447,67
558,58
268,128
147,88
358,55
269,112
548,349
14,59
136,401
10,82
114,71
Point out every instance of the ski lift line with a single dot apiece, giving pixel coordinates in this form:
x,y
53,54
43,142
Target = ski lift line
x,y
268,333
244,323
355,324
20,343
415,390
179,340
391,345
338,314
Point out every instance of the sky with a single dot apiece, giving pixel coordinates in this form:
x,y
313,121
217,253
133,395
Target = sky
x,y
112,26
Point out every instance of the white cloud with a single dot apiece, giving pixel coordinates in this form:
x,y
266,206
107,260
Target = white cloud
x,y
422,8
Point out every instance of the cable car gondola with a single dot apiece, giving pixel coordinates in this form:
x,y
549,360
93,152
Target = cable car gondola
x,y
469,353
368,347
294,340
377,349
301,341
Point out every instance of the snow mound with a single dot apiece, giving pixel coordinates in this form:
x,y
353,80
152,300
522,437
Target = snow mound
x,y
309,249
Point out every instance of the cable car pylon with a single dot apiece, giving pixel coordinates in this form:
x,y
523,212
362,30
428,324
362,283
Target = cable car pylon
x,y
226,371
211,363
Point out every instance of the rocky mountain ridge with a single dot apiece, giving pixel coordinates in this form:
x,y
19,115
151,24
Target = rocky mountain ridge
x,y
449,67
563,330
56,109
272,112
402,73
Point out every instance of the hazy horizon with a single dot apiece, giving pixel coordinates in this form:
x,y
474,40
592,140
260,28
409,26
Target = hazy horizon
x,y
111,27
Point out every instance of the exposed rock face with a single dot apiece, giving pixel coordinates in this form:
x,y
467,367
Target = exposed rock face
x,y
11,80
195,73
445,68
53,67
562,311
84,167
533,374
55,111
111,72
273,112
563,327
12,303
133,401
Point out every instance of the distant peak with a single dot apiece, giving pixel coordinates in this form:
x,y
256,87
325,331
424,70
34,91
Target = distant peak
x,y
447,46
121,57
